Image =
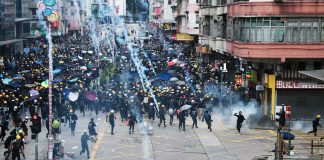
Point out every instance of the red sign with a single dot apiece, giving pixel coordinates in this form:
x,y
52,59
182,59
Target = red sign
x,y
288,112
297,85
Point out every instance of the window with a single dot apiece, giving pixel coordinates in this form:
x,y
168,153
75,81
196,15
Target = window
x,y
276,30
169,2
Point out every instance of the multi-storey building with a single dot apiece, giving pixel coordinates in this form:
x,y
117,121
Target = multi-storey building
x,y
187,17
275,40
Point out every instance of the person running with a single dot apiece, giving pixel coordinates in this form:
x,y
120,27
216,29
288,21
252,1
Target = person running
x,y
207,118
111,117
91,128
240,119
315,125
84,143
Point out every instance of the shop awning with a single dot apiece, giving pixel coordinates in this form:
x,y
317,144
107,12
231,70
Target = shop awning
x,y
184,37
10,41
317,74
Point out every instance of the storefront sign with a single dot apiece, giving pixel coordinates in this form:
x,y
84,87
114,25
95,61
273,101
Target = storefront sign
x,y
297,85
259,87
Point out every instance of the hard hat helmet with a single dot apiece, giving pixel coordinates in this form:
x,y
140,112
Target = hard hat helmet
x,y
20,131
18,137
112,111
318,116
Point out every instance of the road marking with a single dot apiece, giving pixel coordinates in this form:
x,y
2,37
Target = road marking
x,y
99,141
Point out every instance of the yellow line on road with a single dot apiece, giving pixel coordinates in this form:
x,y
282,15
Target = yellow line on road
x,y
97,145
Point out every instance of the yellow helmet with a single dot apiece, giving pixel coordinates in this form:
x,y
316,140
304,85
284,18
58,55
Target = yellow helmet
x,y
20,131
18,137
318,116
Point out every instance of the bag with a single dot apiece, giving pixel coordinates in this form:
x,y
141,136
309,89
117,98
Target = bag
x,y
56,124
170,111
287,136
127,122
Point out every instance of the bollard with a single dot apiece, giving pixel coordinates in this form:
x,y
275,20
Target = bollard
x,y
312,144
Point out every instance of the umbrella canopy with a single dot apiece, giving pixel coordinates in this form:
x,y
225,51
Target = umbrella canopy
x,y
6,81
58,79
30,85
171,71
174,79
45,84
39,62
171,63
74,80
73,96
33,93
185,107
56,71
165,76
83,68
181,82
91,96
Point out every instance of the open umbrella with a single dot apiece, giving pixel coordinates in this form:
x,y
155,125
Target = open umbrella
x,y
164,76
171,71
73,96
73,80
30,85
83,68
33,93
6,81
45,84
39,62
80,57
181,82
91,96
171,63
56,71
185,107
18,77
173,79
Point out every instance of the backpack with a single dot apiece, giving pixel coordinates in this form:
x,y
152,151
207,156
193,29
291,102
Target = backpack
x,y
171,111
56,124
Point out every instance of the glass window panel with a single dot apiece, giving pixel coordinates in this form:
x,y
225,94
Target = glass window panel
x,y
247,34
277,23
295,34
289,34
259,34
253,34
305,24
302,34
315,35
259,23
247,22
292,24
274,34
281,34
266,34
266,23
322,34
315,24
253,22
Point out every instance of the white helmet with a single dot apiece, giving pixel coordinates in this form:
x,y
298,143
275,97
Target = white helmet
x,y
112,111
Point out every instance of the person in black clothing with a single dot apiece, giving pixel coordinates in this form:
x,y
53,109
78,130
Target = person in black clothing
x,y
16,147
315,125
111,117
282,119
4,126
7,146
240,119
207,118
182,120
74,118
91,127
132,120
194,115
84,143
151,112
162,115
